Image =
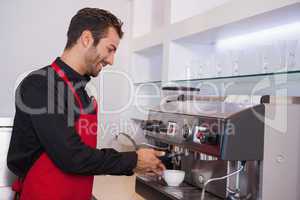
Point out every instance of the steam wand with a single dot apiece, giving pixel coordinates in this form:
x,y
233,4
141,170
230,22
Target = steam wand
x,y
221,178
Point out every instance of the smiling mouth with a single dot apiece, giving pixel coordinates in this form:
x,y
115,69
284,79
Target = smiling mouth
x,y
99,65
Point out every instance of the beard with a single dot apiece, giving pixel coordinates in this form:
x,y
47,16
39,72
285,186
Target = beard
x,y
96,69
94,62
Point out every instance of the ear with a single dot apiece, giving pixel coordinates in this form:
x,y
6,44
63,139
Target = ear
x,y
86,39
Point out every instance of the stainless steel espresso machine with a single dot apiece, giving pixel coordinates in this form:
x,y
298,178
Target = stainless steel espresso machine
x,y
218,143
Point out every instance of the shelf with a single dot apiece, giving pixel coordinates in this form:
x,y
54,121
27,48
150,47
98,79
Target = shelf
x,y
239,48
155,38
180,45
148,83
147,64
278,84
275,84
236,17
229,78
181,10
267,83
148,15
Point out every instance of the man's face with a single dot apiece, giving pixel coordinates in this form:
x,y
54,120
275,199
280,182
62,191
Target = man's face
x,y
103,54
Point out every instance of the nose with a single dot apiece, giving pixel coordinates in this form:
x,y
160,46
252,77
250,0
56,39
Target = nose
x,y
110,59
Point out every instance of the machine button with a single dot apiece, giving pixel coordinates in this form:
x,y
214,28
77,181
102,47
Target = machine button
x,y
201,179
186,132
200,136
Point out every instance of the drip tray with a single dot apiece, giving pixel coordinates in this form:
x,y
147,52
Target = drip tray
x,y
152,189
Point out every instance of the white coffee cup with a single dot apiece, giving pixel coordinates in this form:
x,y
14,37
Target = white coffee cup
x,y
173,177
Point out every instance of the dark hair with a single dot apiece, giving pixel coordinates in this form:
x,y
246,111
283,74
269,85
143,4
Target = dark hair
x,y
95,20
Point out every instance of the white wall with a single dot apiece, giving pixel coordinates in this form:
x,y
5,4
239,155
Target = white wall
x,y
33,33
194,7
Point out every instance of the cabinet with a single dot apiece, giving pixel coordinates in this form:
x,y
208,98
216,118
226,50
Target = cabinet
x,y
221,46
183,40
148,15
181,10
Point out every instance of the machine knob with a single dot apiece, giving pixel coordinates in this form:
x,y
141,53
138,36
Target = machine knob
x,y
186,131
201,179
200,136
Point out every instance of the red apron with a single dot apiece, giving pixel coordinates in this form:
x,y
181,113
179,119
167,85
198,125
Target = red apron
x,y
44,180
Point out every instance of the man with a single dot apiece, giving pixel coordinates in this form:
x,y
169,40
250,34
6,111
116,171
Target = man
x,y
53,144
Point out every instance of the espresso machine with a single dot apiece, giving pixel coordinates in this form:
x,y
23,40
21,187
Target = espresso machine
x,y
219,143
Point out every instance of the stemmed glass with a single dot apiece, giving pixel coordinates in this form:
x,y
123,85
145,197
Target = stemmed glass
x,y
235,56
291,47
264,53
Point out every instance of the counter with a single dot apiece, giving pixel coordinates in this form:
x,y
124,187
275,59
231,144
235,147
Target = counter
x,y
152,189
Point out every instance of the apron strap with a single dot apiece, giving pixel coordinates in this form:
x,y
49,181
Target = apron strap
x,y
95,104
17,187
62,74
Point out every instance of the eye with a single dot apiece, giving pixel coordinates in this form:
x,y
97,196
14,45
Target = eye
x,y
110,50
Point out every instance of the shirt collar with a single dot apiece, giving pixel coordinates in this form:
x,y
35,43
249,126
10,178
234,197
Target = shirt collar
x,y
72,75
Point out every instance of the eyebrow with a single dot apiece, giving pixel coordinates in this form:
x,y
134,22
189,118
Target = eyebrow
x,y
114,47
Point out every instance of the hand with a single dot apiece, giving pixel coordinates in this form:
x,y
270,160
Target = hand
x,y
148,161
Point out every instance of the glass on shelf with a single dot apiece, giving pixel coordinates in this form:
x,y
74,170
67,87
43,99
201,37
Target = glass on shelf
x,y
265,64
265,54
279,56
297,56
235,58
218,70
195,68
208,67
191,68
257,59
281,45
292,46
222,63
